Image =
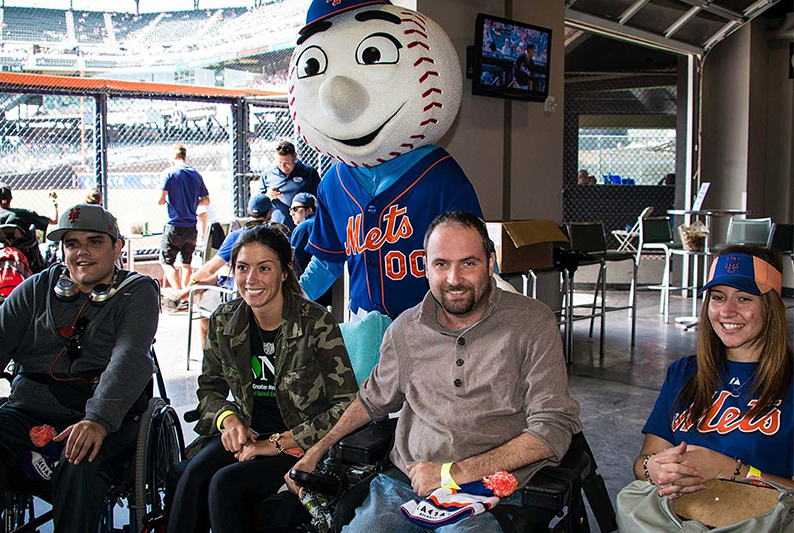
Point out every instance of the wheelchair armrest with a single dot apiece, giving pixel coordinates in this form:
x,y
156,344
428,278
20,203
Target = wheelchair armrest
x,y
554,487
368,445
191,416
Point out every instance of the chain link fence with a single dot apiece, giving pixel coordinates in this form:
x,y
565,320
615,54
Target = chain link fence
x,y
46,146
49,144
619,148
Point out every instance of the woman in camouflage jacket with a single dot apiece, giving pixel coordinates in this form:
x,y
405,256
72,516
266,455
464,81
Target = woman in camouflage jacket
x,y
285,363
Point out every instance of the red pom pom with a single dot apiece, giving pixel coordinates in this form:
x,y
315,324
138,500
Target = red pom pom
x,y
40,436
501,483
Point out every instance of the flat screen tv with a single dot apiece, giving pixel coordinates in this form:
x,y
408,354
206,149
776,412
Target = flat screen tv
x,y
511,59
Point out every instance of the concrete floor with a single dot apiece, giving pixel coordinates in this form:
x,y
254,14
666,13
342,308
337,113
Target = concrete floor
x,y
616,394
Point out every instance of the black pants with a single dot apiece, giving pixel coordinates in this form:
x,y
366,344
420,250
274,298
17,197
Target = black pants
x,y
77,490
218,491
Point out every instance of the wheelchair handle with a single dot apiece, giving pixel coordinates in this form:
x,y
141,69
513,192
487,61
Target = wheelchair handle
x,y
324,484
191,416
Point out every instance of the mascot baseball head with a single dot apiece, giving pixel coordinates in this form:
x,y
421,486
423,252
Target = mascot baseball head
x,y
370,81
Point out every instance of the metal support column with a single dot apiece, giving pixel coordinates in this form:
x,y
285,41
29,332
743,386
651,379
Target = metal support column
x,y
240,155
101,145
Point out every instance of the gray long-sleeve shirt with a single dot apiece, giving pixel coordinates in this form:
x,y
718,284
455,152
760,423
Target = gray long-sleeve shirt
x,y
116,342
467,392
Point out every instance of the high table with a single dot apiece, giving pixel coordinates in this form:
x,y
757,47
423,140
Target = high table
x,y
707,214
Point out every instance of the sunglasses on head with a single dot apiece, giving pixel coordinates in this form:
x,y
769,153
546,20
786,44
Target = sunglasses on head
x,y
255,223
74,344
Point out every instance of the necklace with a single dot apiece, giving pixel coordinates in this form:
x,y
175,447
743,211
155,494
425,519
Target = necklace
x,y
269,348
736,386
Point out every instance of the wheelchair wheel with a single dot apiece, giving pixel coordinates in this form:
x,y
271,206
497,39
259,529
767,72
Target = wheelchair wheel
x,y
160,444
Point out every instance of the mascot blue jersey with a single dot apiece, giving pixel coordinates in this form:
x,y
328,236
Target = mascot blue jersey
x,y
382,237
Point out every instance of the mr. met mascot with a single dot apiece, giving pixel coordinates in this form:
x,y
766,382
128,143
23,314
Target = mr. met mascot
x,y
374,86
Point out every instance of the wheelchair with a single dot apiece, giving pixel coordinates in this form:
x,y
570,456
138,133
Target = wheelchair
x,y
553,501
143,479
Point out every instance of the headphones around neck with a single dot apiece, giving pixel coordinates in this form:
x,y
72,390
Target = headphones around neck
x,y
66,290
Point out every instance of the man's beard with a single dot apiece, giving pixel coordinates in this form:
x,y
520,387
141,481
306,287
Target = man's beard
x,y
460,306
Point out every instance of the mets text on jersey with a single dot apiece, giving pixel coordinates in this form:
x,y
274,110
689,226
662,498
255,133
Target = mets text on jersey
x,y
375,237
398,226
729,420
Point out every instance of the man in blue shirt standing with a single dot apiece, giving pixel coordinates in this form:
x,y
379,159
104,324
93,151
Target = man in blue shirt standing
x,y
288,178
183,191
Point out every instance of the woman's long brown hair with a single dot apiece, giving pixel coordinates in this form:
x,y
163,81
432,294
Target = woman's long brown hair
x,y
775,369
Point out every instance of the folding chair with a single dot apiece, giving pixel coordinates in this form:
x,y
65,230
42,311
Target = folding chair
x,y
625,238
656,234
195,311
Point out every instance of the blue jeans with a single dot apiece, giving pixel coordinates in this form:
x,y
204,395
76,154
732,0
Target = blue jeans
x,y
380,512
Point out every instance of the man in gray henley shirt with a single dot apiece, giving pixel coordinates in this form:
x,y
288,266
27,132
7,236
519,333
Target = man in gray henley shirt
x,y
82,367
479,375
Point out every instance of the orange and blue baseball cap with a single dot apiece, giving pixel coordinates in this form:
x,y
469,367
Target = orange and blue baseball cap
x,y
323,9
745,272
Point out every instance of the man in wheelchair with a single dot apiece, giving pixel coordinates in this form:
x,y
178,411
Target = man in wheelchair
x,y
79,336
478,376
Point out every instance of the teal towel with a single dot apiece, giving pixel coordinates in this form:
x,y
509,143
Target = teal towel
x,y
363,339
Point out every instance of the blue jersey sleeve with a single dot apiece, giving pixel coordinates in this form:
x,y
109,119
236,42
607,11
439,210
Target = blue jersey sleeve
x,y
659,423
324,242
319,276
466,200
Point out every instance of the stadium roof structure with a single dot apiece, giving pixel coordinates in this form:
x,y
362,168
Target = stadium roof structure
x,y
27,83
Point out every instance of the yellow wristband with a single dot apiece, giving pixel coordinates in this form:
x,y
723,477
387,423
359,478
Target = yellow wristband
x,y
753,473
446,477
223,416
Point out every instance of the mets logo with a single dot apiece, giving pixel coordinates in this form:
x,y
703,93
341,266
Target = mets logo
x,y
74,214
724,419
732,264
333,2
376,237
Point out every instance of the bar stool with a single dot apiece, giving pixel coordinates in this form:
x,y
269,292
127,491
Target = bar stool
x,y
589,238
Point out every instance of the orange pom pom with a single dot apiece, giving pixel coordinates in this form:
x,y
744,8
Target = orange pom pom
x,y
40,436
501,483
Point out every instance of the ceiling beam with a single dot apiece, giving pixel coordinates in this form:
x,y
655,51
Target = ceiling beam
x,y
574,39
750,13
678,24
711,7
610,28
632,10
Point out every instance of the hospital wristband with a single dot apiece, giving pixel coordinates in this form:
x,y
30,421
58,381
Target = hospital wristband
x,y
223,416
753,473
446,477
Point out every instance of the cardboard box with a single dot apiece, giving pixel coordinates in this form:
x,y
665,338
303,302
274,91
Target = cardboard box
x,y
523,245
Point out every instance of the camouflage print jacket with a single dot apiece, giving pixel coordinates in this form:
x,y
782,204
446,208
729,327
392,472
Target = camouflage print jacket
x,y
314,378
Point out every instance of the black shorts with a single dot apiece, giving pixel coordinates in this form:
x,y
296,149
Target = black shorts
x,y
178,240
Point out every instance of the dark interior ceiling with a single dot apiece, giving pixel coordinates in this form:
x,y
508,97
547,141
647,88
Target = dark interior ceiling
x,y
664,28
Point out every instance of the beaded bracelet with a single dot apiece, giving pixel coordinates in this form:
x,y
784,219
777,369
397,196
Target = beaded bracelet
x,y
738,469
645,468
275,438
